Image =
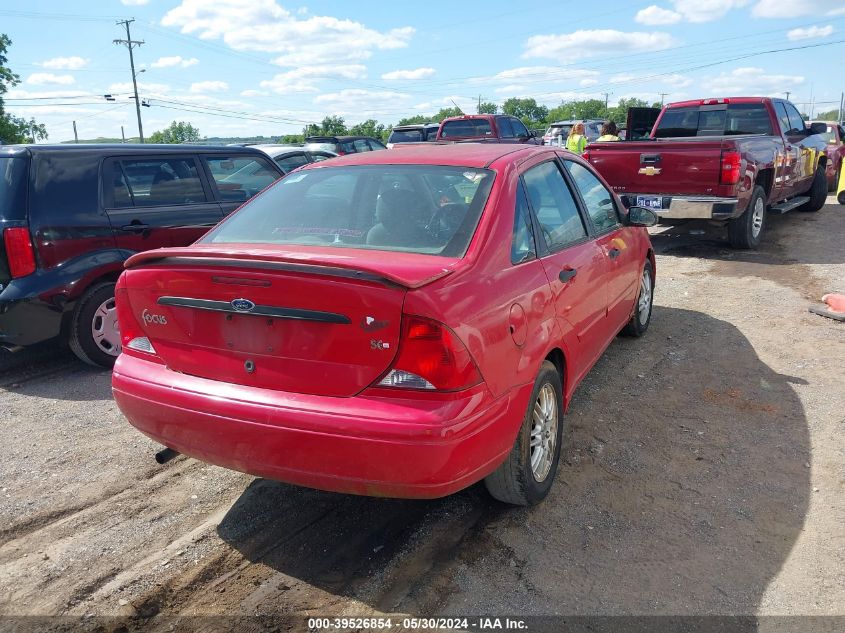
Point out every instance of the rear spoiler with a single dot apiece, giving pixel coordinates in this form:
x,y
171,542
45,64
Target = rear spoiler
x,y
405,273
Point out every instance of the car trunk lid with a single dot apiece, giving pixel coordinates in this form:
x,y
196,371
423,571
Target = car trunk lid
x,y
278,318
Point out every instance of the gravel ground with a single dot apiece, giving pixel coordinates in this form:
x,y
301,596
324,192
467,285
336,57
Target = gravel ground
x,y
703,474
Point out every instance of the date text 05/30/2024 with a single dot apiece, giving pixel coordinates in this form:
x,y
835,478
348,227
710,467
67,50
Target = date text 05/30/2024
x,y
432,624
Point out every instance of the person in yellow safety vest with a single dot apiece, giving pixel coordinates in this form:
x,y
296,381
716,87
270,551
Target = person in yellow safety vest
x,y
840,187
577,141
609,132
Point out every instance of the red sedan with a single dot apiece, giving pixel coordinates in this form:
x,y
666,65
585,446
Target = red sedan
x,y
389,324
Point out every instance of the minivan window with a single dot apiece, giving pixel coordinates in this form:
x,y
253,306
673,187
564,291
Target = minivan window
x,y
13,184
716,120
379,207
463,128
155,182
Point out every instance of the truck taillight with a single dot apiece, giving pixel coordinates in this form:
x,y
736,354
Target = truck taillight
x,y
431,357
586,155
19,251
730,169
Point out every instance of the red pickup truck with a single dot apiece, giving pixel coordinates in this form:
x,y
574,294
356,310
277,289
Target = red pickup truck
x,y
730,160
495,128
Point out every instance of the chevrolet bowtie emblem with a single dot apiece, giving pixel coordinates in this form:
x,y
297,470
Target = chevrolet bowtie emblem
x,y
650,171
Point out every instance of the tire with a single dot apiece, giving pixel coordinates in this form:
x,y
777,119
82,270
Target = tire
x,y
95,311
818,193
516,481
747,230
638,324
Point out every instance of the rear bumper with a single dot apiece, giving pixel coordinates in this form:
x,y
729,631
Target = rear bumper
x,y
26,320
692,207
414,447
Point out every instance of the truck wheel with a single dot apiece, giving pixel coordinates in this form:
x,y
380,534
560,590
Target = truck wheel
x,y
745,231
818,192
94,336
642,309
526,476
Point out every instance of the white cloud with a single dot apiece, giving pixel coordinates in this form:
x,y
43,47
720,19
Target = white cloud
x,y
654,15
418,73
175,60
809,33
64,63
751,82
209,86
709,10
143,87
588,82
255,93
38,79
263,25
788,9
306,78
588,43
134,3
677,81
358,101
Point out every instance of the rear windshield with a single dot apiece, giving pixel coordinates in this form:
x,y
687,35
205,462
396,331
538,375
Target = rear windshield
x,y
13,185
466,128
406,136
329,147
718,120
426,209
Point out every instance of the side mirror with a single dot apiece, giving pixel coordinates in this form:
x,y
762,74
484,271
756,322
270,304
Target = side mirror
x,y
818,128
640,216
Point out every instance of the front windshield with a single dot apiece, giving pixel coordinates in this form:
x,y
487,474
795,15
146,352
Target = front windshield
x,y
425,209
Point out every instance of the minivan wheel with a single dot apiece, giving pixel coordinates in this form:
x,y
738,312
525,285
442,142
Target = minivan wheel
x,y
94,335
645,300
526,476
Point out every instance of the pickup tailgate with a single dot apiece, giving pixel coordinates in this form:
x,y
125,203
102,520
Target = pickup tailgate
x,y
667,167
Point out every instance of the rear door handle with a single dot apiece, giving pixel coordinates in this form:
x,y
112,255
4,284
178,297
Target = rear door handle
x,y
613,253
135,227
567,274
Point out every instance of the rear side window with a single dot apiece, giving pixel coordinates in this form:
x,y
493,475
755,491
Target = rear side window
x,y
238,178
375,145
522,247
155,182
519,128
718,120
14,178
466,128
554,206
361,145
505,127
379,207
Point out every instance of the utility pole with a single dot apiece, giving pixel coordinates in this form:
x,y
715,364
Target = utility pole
x,y
841,108
479,104
75,135
787,95
32,129
606,95
130,44
663,95
122,135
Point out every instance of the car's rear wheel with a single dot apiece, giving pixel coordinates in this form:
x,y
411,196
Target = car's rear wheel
x,y
526,476
746,230
94,335
645,300
818,192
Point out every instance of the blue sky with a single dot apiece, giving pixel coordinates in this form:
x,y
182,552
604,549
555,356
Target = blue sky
x,y
244,67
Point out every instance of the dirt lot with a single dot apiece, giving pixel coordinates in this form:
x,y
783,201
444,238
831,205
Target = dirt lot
x,y
704,473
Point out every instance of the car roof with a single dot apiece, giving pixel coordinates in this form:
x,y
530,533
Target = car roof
x,y
124,148
414,126
447,154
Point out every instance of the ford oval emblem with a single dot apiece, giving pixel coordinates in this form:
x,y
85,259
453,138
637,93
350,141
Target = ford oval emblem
x,y
243,305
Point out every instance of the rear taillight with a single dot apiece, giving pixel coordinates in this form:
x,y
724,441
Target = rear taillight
x,y
730,169
131,335
19,251
586,155
431,357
